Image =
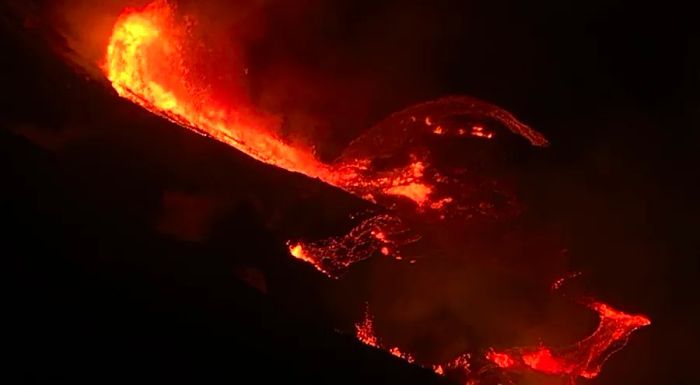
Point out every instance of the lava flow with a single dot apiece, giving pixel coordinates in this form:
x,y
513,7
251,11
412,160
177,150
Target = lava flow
x,y
152,59
379,235
583,359
364,332
149,61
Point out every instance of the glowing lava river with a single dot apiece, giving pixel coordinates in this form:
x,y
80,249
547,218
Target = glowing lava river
x,y
153,60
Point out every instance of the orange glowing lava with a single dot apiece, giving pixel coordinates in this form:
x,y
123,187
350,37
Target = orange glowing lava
x,y
297,251
365,333
151,60
583,359
501,359
380,235
148,62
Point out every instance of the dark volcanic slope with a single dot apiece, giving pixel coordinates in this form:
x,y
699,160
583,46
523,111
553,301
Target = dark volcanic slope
x,y
105,285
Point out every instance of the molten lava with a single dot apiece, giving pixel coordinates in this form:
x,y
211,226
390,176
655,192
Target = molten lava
x,y
152,60
378,235
364,332
583,359
147,62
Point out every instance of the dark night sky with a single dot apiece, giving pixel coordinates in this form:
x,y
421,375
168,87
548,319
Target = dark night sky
x,y
126,236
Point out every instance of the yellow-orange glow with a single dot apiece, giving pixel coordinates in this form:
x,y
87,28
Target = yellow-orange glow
x,y
297,251
147,62
152,60
501,359
364,331
480,132
417,192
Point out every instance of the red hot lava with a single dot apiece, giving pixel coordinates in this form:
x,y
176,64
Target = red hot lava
x,y
583,359
364,331
151,60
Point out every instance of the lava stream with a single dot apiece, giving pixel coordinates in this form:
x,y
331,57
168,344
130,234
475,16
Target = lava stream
x,y
583,359
150,60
